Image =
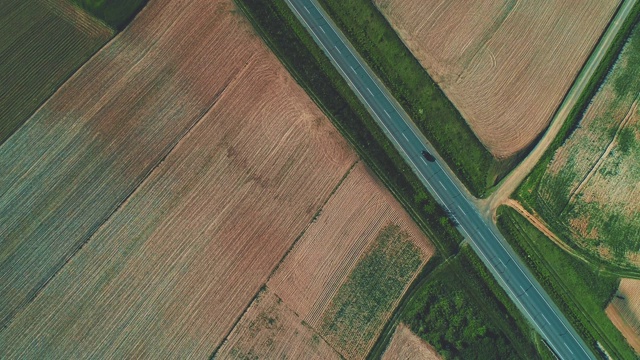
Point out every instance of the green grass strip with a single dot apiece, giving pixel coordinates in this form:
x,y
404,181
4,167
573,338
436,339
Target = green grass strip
x,y
294,46
581,291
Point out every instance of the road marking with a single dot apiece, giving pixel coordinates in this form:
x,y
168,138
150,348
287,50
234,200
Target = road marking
x,y
322,29
385,111
305,7
369,90
545,318
441,184
463,211
405,136
426,182
565,344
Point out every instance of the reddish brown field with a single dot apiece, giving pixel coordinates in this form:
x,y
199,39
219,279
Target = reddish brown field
x,y
624,311
270,330
406,345
322,260
505,64
225,157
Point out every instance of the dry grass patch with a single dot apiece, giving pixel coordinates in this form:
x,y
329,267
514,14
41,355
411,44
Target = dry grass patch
x,y
505,64
624,311
406,345
250,160
270,330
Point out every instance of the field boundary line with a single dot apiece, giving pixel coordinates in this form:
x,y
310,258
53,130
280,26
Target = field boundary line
x,y
604,155
127,197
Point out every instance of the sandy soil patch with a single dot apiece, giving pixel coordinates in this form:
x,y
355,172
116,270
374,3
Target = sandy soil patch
x,y
624,311
270,330
406,345
505,64
228,161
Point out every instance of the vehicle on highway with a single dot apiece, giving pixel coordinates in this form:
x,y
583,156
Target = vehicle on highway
x,y
429,157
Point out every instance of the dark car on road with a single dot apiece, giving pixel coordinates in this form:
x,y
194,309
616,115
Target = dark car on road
x,y
428,156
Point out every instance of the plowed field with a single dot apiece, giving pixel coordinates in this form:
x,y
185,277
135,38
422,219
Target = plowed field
x,y
505,64
41,43
144,205
406,345
347,230
270,330
624,311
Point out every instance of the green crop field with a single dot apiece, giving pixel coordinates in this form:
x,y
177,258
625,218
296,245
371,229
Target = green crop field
x,y
364,301
587,190
41,45
580,290
116,13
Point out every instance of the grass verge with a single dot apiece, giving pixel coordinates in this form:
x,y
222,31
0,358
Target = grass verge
x,y
437,118
295,48
580,290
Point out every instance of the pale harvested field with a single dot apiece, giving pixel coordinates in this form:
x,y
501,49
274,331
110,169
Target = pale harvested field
x,y
322,260
406,345
270,330
505,64
171,270
624,311
592,185
42,42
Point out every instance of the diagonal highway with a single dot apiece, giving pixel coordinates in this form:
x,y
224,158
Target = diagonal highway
x,y
483,236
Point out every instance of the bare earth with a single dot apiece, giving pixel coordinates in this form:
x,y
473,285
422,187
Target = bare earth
x,y
270,330
406,345
225,157
321,261
624,311
505,64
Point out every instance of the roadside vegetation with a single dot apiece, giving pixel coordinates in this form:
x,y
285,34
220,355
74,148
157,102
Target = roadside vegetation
x,y
460,309
580,290
116,13
433,113
288,39
595,153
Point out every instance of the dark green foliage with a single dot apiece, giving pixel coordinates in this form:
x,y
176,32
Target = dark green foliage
x,y
116,13
418,94
313,70
581,291
464,314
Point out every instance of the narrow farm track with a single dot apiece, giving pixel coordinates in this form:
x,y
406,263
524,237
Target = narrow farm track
x,y
489,205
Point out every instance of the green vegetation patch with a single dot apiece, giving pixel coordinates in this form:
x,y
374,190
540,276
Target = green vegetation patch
x,y
583,183
418,94
116,13
39,51
362,303
311,68
581,291
462,311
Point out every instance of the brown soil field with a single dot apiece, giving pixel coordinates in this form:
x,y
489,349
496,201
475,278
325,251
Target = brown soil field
x,y
270,330
324,257
406,345
206,160
624,311
42,42
505,64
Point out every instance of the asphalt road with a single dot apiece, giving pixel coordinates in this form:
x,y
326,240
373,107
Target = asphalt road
x,y
483,236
